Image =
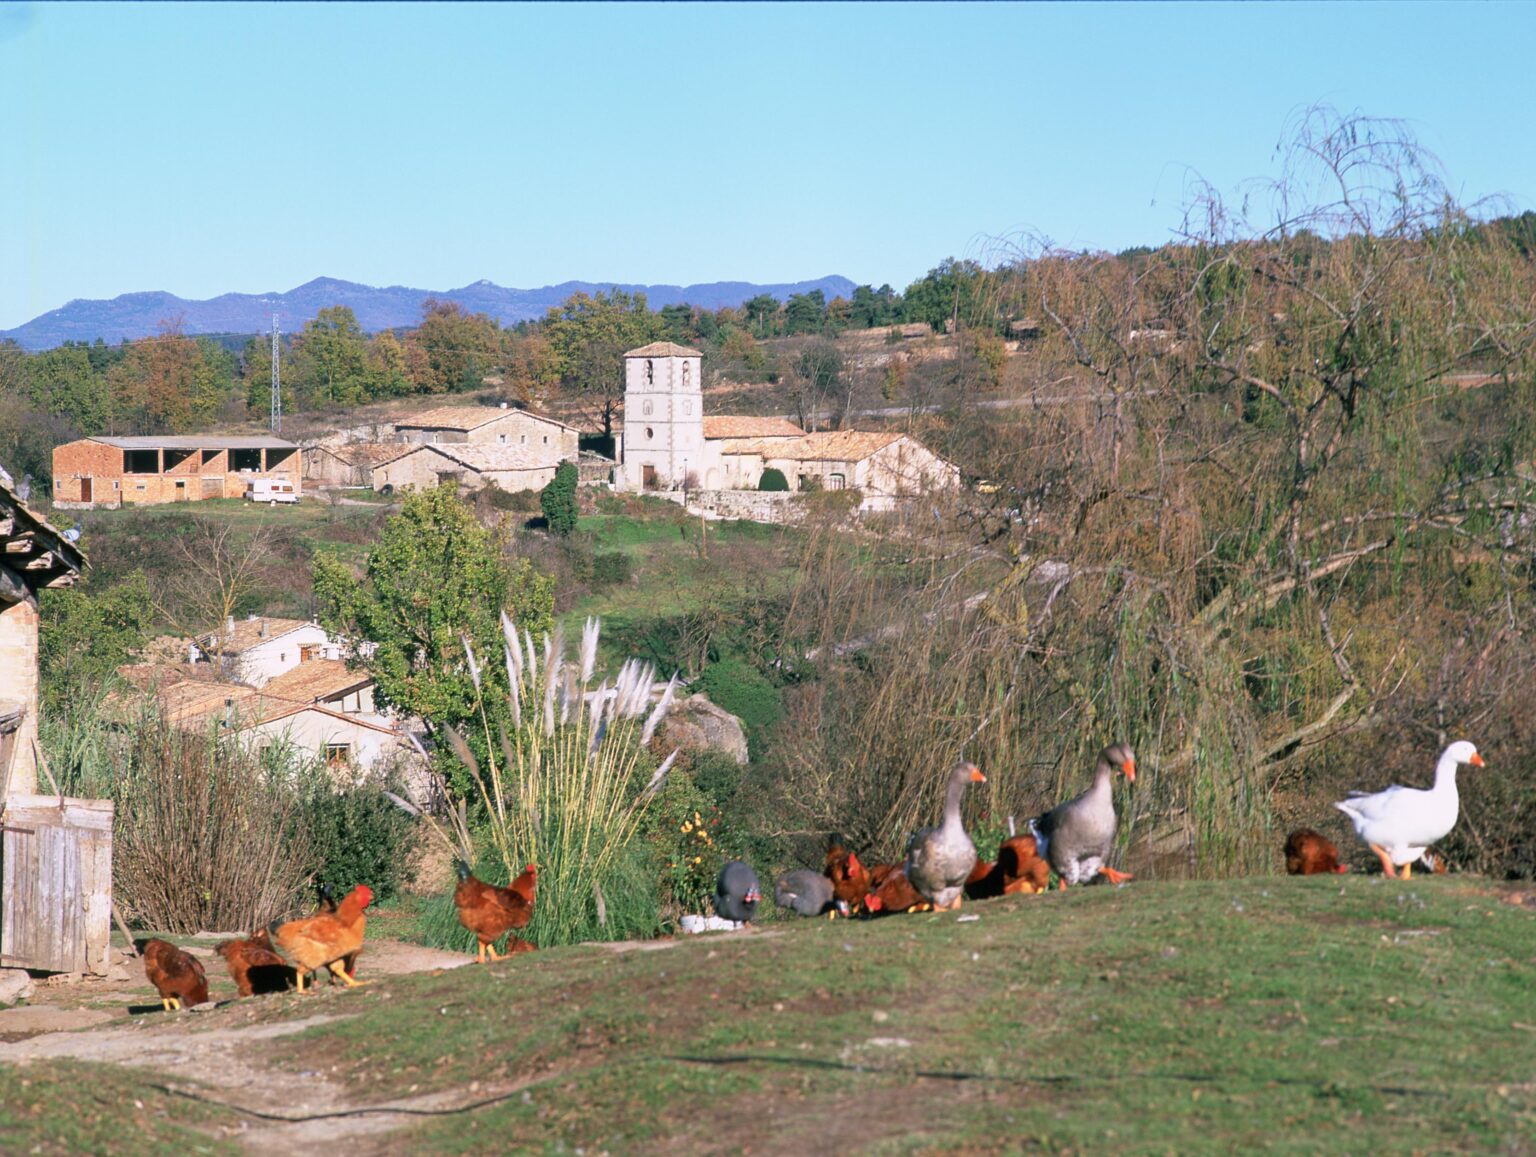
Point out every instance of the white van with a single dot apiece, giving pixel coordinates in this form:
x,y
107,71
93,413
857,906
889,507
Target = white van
x,y
270,490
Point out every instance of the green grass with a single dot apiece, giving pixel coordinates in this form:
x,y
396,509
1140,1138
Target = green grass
x,y
63,1109
1288,1015
1291,1016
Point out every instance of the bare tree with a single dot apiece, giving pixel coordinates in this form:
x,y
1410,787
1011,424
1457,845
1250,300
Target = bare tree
x,y
217,570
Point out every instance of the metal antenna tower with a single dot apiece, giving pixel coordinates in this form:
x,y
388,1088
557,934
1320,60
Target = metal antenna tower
x,y
277,389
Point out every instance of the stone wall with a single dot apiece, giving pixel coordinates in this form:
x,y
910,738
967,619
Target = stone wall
x,y
752,505
18,684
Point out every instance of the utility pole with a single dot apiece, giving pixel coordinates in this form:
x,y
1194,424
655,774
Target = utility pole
x,y
277,389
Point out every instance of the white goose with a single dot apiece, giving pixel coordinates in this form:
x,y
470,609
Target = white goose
x,y
1399,823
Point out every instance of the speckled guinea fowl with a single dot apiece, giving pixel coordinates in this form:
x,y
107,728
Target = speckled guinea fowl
x,y
1075,837
737,893
807,893
940,858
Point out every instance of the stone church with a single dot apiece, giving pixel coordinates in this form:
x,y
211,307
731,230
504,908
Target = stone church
x,y
669,444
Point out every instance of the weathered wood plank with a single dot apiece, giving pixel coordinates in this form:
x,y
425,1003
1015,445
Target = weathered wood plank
x,y
56,884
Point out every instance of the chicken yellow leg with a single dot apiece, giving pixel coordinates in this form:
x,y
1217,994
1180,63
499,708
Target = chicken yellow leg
x,y
347,979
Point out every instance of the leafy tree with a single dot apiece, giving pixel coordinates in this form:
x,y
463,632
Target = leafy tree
x,y
330,359
453,349
805,312
86,635
65,381
558,499
435,578
760,312
590,335
952,291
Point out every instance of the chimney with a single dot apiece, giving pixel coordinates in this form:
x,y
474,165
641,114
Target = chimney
x,y
261,629
503,405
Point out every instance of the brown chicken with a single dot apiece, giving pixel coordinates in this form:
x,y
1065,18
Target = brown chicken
x,y
177,976
326,938
850,882
254,967
1434,861
895,894
326,905
1309,854
491,912
1018,869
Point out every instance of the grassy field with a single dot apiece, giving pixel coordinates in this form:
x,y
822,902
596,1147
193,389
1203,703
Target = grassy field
x,y
1293,1016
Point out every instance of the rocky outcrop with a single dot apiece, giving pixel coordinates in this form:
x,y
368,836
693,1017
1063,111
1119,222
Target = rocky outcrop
x,y
697,723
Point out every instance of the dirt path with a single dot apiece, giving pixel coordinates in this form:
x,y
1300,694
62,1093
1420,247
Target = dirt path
x,y
120,1023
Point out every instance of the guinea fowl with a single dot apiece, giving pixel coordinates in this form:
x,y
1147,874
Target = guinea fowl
x,y
1400,823
1075,837
737,893
939,859
808,893
1309,854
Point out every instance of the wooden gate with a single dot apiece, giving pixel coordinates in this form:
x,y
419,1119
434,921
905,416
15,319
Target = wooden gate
x,y
55,883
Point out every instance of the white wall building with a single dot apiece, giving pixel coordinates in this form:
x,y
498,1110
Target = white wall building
x,y
258,649
663,417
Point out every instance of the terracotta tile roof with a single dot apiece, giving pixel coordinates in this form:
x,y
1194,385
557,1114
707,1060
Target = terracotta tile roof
x,y
663,349
370,453
453,418
481,457
468,418
824,446
733,426
250,633
317,680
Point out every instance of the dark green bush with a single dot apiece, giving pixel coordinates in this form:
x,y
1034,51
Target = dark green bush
x,y
610,568
356,835
773,479
742,690
558,499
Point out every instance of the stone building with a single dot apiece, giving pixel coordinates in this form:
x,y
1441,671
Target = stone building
x,y
536,434
469,465
663,417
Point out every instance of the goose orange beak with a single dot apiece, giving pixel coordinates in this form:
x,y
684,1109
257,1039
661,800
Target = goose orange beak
x,y
1130,770
1477,760
976,776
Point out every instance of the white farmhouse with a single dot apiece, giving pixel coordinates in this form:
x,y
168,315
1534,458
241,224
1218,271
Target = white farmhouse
x,y
260,648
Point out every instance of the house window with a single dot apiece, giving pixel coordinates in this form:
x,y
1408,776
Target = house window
x,y
836,482
310,651
546,439
647,407
686,369
523,441
650,372
649,433
502,438
337,754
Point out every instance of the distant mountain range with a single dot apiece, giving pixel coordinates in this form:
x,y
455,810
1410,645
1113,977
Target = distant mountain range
x,y
134,315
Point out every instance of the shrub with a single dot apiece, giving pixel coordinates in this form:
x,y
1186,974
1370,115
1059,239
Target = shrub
x,y
208,834
558,499
741,689
356,834
610,568
773,479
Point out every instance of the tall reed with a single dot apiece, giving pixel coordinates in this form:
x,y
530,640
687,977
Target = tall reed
x,y
566,784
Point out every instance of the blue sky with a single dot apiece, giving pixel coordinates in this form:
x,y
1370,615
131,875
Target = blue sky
x,y
250,147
